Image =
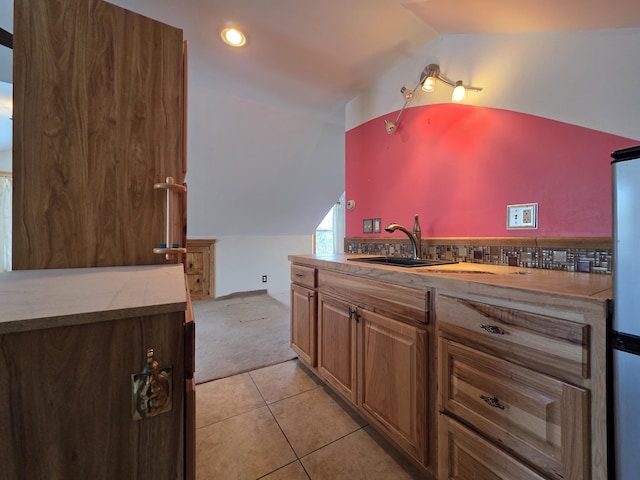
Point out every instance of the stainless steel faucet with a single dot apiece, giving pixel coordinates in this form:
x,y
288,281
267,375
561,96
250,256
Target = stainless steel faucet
x,y
415,237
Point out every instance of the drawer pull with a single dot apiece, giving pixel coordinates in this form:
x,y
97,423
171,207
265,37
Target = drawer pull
x,y
299,275
492,401
492,329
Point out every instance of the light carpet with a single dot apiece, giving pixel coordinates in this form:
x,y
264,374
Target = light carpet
x,y
239,333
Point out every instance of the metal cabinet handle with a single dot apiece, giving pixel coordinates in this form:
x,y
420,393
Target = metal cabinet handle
x,y
492,329
492,401
353,314
151,389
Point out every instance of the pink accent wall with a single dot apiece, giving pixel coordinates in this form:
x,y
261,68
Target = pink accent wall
x,y
459,166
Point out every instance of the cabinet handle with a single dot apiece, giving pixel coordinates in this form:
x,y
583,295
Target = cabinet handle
x,y
353,314
492,401
492,329
151,389
299,275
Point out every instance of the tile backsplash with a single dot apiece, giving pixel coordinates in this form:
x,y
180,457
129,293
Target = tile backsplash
x,y
573,255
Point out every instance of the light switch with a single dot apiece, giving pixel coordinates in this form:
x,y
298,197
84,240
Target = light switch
x,y
524,215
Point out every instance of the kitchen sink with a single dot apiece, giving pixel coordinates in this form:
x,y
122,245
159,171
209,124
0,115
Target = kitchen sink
x,y
401,261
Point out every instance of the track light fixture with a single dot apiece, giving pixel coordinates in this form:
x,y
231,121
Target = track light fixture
x,y
427,83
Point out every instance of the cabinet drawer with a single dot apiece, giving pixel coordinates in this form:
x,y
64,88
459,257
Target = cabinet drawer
x,y
552,345
305,276
401,303
465,455
542,419
198,287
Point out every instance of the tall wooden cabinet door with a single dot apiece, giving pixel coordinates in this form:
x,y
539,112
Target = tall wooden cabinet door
x,y
97,121
394,371
303,323
337,345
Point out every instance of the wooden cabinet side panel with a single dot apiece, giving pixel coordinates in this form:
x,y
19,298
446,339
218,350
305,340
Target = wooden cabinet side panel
x,y
66,401
97,121
576,437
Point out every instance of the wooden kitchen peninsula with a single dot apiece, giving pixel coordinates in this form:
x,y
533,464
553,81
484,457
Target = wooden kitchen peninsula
x,y
465,367
70,340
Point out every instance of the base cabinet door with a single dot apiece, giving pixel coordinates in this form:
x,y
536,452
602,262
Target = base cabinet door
x,y
394,381
464,455
337,345
303,323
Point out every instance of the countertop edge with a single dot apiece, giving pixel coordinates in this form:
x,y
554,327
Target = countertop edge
x,y
557,283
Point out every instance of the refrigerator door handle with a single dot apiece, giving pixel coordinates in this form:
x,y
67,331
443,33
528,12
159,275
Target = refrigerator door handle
x,y
625,342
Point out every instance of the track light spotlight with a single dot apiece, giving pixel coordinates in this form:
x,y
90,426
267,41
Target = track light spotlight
x,y
427,83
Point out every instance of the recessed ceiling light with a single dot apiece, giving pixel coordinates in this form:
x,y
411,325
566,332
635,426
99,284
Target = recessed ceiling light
x,y
234,37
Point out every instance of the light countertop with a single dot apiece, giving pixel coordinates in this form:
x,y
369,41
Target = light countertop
x,y
555,282
37,299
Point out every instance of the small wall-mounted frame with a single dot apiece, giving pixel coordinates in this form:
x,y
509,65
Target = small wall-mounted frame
x,y
376,225
367,225
524,215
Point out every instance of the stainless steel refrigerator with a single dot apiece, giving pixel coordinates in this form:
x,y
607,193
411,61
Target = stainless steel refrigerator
x,y
624,332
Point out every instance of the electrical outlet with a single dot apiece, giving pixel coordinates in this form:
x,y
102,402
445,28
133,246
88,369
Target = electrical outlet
x,y
264,279
524,215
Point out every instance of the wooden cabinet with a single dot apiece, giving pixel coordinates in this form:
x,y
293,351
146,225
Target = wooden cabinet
x,y
71,339
303,313
518,375
199,266
394,380
471,376
372,349
98,120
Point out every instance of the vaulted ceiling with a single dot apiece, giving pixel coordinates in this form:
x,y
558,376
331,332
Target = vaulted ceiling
x,y
317,55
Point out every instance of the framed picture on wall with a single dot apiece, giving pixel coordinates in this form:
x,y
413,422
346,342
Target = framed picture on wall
x,y
367,225
376,225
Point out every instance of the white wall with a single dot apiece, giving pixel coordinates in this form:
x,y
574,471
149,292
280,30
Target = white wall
x,y
257,169
6,163
242,260
260,179
586,78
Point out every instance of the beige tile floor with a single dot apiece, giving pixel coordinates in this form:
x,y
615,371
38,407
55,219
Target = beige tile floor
x,y
281,423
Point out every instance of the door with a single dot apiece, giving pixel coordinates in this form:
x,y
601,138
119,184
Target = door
x,y
303,323
394,367
337,344
98,120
